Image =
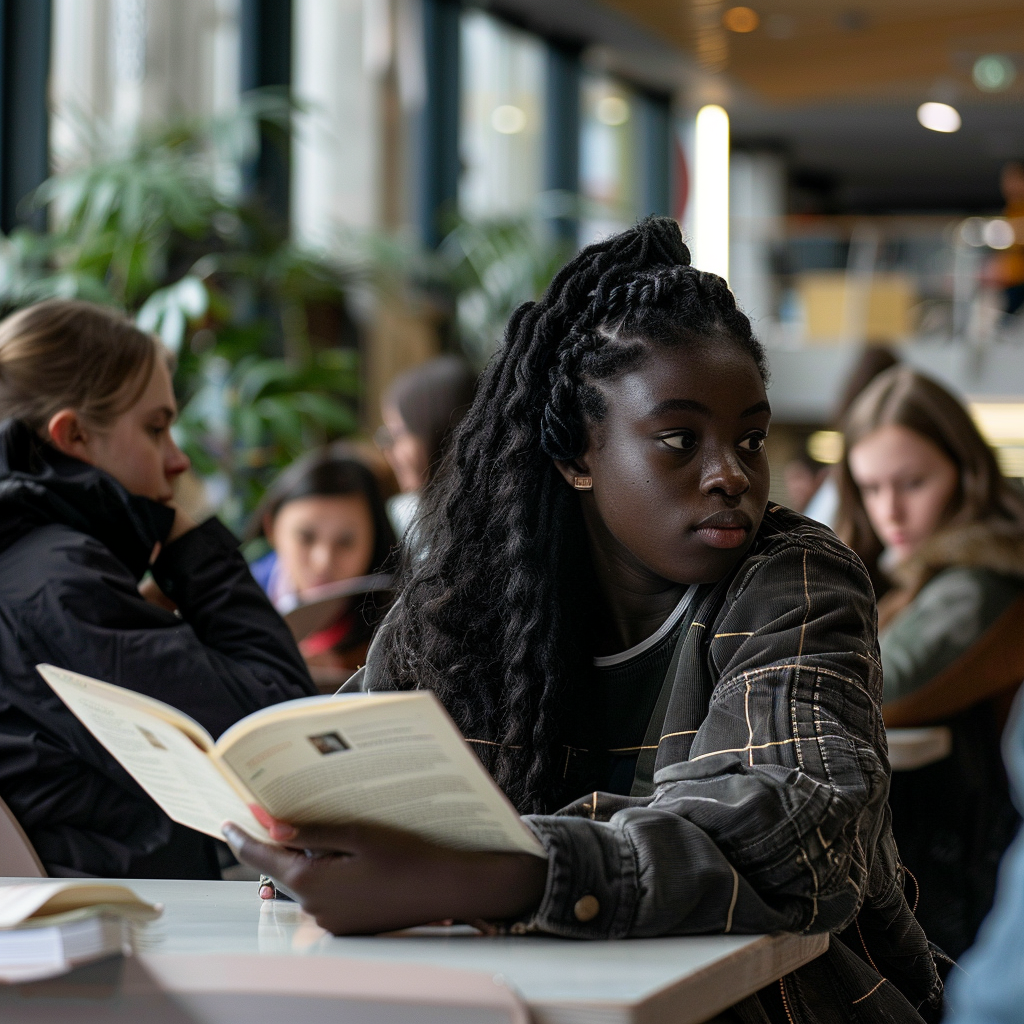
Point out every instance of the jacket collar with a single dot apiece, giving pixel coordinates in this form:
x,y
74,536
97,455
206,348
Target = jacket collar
x,y
40,485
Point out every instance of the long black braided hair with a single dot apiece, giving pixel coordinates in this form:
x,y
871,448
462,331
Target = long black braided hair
x,y
494,618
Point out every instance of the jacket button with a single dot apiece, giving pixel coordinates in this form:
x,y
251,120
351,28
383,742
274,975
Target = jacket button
x,y
586,909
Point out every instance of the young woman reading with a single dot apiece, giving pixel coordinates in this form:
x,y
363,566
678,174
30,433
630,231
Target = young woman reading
x,y
624,630
325,519
87,470
923,502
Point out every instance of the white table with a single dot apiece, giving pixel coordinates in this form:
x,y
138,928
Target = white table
x,y
677,980
910,749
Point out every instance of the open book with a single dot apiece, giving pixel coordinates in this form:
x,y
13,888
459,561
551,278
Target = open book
x,y
393,759
321,607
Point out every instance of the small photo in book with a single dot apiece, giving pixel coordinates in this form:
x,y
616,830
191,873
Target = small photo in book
x,y
328,743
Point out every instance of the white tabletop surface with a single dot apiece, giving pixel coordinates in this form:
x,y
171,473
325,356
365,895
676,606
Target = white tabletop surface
x,y
643,980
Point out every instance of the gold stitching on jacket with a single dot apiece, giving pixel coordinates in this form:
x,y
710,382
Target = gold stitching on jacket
x,y
743,750
866,994
682,732
867,953
491,743
917,888
717,636
750,727
785,999
735,895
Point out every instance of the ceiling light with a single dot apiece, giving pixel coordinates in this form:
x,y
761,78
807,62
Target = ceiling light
x,y
994,72
508,120
939,117
612,110
711,191
741,19
826,446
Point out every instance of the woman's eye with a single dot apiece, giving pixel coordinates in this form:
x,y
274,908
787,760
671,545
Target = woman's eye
x,y
681,442
753,443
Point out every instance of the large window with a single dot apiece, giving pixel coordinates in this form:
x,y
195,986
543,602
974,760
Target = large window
x,y
501,130
610,155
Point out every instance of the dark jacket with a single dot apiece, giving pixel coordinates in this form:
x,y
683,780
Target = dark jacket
x,y
766,810
73,547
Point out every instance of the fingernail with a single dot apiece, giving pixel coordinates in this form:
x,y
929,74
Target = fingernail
x,y
231,832
261,815
281,831
267,892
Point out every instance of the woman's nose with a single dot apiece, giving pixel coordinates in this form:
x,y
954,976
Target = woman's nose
x,y
177,462
723,473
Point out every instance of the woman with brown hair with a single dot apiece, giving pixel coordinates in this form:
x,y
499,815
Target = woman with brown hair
x,y
923,502
87,471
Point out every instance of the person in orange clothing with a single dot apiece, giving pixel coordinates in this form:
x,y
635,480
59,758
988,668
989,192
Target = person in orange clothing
x,y
1009,265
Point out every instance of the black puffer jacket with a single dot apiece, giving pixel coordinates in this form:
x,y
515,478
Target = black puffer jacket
x,y
73,546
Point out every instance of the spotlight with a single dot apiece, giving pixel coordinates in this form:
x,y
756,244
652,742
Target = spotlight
x,y
998,234
612,110
939,117
508,120
741,19
994,72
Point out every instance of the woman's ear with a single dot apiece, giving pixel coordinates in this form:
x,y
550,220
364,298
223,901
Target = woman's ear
x,y
576,472
268,528
68,434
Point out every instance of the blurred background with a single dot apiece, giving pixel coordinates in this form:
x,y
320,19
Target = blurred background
x,y
308,197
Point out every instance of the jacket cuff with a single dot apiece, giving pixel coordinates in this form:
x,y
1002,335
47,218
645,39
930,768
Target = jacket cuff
x,y
181,560
592,884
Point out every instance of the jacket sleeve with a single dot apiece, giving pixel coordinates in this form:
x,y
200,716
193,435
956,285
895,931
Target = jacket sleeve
x,y
945,620
771,821
228,654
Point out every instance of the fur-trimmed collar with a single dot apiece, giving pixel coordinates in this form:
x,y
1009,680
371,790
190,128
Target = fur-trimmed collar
x,y
996,544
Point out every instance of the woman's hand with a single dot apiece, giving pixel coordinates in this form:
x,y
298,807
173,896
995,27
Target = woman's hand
x,y
365,879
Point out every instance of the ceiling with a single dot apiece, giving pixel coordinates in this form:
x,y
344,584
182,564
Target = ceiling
x,y
807,50
833,85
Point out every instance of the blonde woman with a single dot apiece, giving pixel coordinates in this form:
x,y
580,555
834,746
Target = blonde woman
x,y
87,471
923,503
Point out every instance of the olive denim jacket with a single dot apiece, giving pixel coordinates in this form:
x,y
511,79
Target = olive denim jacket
x,y
766,806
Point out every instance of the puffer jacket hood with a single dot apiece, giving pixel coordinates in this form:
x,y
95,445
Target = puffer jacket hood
x,y
39,485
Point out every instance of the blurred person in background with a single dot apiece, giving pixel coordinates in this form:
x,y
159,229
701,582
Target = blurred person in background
x,y
420,409
325,521
922,501
823,504
1008,266
802,477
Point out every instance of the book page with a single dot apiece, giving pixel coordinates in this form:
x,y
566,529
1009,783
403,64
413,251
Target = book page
x,y
392,759
46,902
163,760
129,698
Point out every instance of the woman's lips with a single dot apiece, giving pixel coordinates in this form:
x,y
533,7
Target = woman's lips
x,y
724,529
722,537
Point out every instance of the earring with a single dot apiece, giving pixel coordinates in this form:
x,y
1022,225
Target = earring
x,y
583,483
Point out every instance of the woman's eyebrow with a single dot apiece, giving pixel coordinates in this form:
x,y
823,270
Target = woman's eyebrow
x,y
679,405
692,405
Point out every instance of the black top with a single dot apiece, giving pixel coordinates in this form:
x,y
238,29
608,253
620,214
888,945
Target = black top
x,y
625,691
73,547
612,714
